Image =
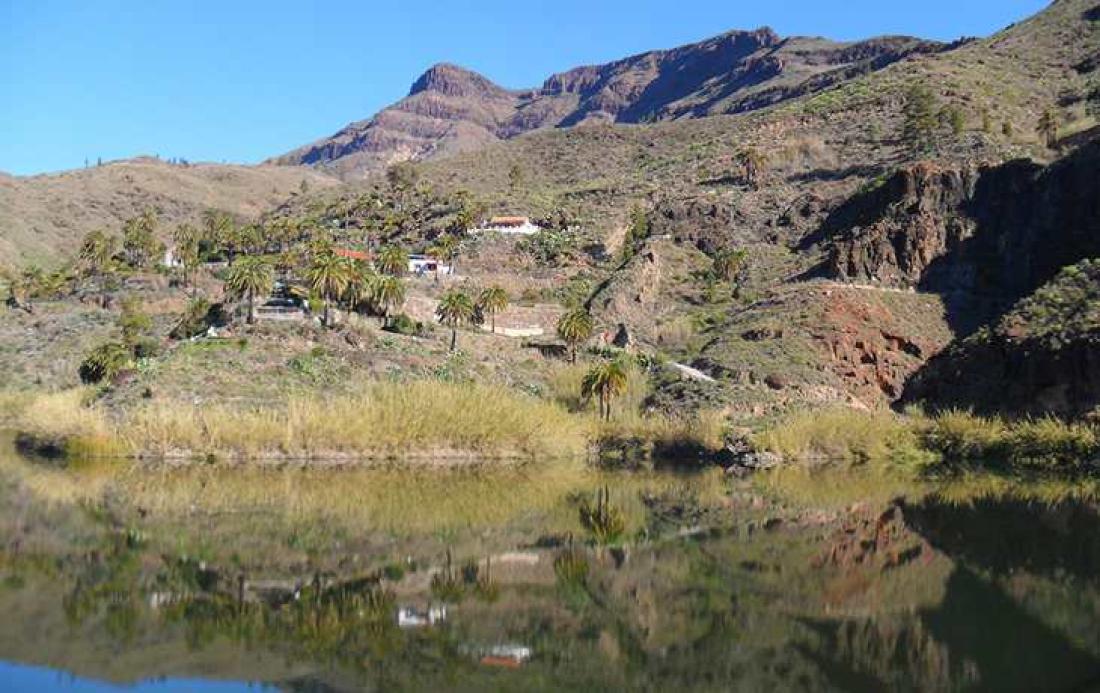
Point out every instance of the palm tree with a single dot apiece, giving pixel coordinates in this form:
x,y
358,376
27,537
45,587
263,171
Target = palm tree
x,y
249,277
96,251
389,293
447,248
186,238
393,260
605,382
752,163
1048,127
728,263
454,309
492,300
362,286
575,327
329,276
220,230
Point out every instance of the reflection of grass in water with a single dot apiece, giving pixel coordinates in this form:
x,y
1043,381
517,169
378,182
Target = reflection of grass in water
x,y
836,485
840,485
394,501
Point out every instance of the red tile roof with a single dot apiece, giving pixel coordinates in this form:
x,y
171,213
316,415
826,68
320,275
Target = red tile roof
x,y
352,254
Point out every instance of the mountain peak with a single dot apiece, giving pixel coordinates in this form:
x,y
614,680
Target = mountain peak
x,y
452,80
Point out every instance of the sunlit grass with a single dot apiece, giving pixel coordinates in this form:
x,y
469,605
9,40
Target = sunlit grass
x,y
390,420
845,435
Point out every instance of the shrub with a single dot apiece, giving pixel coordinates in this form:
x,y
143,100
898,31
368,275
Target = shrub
x,y
104,362
403,324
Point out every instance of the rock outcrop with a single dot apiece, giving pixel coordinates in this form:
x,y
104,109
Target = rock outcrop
x,y
1042,357
985,236
451,109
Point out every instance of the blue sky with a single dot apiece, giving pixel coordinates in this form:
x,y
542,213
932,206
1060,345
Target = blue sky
x,y
241,80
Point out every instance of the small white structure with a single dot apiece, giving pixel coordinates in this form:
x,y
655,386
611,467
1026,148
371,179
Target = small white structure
x,y
509,225
411,617
423,264
170,259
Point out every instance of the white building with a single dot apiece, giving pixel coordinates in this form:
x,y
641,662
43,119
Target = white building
x,y
509,225
411,617
422,264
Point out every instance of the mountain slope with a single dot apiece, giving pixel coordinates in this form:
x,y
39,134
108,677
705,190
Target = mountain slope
x,y
43,218
451,109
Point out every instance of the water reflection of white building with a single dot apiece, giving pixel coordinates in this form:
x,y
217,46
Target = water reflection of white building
x,y
411,617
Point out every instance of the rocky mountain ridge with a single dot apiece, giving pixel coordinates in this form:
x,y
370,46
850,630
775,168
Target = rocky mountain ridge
x,y
451,109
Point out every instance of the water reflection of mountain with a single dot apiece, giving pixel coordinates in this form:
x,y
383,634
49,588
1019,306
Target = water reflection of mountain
x,y
924,595
1019,611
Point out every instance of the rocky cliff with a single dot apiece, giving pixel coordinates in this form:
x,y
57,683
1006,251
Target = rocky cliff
x,y
1042,357
451,109
983,236
1011,248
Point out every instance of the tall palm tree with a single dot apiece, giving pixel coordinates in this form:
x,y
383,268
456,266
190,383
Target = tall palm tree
x,y
605,382
1048,127
575,327
389,293
393,260
447,248
492,300
329,276
186,238
362,286
454,309
249,277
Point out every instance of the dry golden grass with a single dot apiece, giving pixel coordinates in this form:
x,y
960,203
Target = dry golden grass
x,y
387,420
705,429
840,434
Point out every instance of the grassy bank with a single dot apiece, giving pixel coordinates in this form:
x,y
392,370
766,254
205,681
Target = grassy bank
x,y
425,419
947,441
385,420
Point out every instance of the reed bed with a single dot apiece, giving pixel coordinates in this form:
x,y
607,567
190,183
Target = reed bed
x,y
385,420
947,441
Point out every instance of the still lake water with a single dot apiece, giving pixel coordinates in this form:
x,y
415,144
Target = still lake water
x,y
118,576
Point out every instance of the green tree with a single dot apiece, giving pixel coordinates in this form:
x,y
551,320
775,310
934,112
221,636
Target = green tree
x,y
389,294
105,362
637,231
403,175
491,301
515,178
248,278
362,286
729,262
1048,127
454,309
574,328
139,240
919,127
96,251
393,260
186,239
221,232
329,276
133,321
752,163
605,382
447,246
